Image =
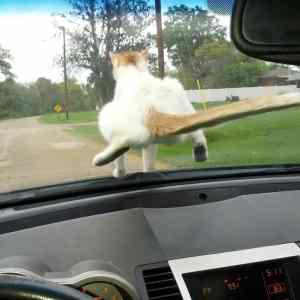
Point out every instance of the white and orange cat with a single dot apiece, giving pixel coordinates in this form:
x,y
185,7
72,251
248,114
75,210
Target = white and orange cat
x,y
121,121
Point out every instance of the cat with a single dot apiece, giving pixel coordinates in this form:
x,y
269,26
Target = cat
x,y
121,121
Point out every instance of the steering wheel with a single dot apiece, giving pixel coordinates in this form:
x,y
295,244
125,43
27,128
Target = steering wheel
x,y
21,288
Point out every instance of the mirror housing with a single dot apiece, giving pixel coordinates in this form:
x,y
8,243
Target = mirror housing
x,y
267,29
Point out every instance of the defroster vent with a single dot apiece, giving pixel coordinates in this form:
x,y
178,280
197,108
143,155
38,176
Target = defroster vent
x,y
159,283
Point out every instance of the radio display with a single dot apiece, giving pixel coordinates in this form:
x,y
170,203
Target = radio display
x,y
262,281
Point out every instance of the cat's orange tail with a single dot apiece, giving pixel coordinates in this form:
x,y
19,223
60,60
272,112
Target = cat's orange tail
x,y
161,124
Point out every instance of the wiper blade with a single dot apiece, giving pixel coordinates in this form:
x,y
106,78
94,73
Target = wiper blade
x,y
224,172
78,188
88,187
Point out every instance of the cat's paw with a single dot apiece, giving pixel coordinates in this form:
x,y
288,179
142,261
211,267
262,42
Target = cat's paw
x,y
97,160
118,173
200,153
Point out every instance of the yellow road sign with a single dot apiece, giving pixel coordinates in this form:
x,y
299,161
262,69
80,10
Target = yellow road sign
x,y
57,108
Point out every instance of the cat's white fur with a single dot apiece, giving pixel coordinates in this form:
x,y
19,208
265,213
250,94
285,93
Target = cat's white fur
x,y
121,121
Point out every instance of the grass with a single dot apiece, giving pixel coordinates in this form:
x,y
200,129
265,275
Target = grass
x,y
87,116
266,139
87,131
74,118
270,138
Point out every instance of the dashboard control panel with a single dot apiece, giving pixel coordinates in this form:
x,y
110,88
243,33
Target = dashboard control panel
x,y
267,273
257,281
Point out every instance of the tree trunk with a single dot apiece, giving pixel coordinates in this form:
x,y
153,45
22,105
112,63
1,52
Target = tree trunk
x,y
95,57
97,82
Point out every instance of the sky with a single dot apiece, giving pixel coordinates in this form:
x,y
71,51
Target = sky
x,y
29,30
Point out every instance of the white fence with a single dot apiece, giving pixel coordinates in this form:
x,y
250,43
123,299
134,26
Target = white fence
x,y
212,95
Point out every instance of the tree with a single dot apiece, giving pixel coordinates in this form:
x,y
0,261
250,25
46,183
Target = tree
x,y
79,98
91,95
19,100
44,86
15,100
107,25
226,67
5,66
187,29
7,98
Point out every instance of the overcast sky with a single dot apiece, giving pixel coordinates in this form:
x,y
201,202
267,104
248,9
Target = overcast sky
x,y
27,29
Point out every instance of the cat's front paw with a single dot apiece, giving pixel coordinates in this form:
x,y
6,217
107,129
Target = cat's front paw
x,y
118,173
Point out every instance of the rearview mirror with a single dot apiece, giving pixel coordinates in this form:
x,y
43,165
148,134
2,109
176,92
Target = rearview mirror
x,y
267,29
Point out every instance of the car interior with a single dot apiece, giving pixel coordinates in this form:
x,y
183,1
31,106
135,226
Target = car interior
x,y
219,233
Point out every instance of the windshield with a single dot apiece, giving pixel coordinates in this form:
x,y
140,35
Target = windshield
x,y
59,62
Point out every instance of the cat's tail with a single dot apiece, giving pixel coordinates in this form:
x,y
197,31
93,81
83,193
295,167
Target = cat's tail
x,y
115,149
161,124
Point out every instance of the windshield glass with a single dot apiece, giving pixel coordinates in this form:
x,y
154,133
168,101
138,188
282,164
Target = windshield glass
x,y
56,76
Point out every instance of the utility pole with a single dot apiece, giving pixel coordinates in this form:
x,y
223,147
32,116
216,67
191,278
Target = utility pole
x,y
66,100
159,39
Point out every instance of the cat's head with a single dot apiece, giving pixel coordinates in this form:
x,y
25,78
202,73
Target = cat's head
x,y
136,59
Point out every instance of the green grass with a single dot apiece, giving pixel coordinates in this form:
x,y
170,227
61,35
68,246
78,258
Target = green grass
x,y
266,139
74,118
87,131
272,138
87,116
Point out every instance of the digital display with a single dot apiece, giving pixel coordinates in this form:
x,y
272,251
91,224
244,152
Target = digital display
x,y
263,281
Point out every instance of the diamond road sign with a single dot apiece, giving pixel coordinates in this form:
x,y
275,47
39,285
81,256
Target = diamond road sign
x,y
57,108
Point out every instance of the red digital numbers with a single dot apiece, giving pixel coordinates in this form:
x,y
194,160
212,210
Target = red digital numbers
x,y
232,285
275,283
273,272
277,288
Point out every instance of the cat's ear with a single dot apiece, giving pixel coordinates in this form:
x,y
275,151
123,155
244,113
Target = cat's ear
x,y
145,54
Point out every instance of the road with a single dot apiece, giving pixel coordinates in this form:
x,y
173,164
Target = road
x,y
34,154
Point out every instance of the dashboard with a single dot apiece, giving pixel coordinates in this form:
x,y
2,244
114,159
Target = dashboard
x,y
270,272
261,273
229,243
97,279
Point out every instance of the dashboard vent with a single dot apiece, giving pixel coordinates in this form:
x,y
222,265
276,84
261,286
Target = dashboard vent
x,y
160,283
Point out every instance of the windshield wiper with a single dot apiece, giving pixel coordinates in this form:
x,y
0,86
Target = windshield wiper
x,y
108,185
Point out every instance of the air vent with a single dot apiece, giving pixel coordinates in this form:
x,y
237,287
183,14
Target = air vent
x,y
160,283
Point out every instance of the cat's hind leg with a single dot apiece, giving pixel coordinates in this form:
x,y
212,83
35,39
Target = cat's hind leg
x,y
149,156
200,149
120,166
